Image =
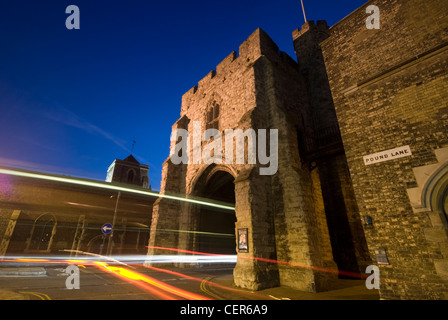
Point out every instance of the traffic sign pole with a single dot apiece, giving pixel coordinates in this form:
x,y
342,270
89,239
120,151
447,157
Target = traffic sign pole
x,y
109,244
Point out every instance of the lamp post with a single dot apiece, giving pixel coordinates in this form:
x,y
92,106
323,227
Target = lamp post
x,y
109,244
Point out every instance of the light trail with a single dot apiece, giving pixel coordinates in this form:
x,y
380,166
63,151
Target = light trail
x,y
154,291
124,260
95,255
156,287
159,288
228,235
190,259
134,276
322,269
105,185
208,282
186,251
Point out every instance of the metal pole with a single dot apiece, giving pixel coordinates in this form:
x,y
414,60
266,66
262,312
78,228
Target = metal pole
x,y
109,244
303,9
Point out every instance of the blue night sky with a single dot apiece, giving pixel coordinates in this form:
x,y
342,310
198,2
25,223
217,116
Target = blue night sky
x,y
72,101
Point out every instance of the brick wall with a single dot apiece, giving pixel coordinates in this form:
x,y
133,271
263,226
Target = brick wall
x,y
390,90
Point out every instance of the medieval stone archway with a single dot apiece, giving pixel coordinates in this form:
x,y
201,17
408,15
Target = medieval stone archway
x,y
214,228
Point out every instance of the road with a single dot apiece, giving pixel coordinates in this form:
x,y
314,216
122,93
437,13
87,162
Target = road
x,y
104,281
95,277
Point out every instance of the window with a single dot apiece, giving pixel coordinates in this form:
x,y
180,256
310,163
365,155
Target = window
x,y
213,116
44,228
131,176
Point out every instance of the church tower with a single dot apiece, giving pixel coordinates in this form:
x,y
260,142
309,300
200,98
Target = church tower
x,y
128,171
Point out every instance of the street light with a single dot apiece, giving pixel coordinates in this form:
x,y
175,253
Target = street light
x,y
109,244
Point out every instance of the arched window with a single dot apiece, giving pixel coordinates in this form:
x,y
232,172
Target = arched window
x,y
435,191
131,175
212,116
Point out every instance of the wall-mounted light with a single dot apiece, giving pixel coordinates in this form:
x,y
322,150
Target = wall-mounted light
x,y
381,256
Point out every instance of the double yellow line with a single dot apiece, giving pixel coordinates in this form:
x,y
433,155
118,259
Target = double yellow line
x,y
41,296
204,289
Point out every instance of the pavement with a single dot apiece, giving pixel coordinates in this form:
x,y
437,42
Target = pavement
x,y
342,289
218,287
23,272
19,272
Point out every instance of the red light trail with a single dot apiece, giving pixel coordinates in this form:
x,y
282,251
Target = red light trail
x,y
154,286
322,269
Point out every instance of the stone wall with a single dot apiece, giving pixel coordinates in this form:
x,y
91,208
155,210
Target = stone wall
x,y
259,88
321,149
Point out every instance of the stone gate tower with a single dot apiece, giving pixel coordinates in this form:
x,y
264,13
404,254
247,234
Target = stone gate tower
x,y
289,216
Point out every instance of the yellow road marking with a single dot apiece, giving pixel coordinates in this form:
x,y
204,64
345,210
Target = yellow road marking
x,y
41,296
204,289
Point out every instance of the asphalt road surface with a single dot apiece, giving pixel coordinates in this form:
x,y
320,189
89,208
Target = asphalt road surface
x,y
117,282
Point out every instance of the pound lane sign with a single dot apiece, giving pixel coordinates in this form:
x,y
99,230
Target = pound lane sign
x,y
106,228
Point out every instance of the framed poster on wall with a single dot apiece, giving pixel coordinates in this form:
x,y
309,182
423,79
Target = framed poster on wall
x,y
243,245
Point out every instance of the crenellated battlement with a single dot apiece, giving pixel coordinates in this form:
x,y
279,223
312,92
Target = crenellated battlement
x,y
320,26
225,64
257,44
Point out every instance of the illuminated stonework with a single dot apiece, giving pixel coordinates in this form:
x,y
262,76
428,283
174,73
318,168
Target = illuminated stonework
x,y
284,214
337,202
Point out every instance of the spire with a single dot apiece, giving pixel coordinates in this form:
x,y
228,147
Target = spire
x,y
133,144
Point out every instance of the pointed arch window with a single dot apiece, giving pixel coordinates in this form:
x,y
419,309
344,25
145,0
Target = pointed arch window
x,y
212,116
131,175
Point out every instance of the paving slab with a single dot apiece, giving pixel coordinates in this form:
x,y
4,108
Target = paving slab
x,y
22,272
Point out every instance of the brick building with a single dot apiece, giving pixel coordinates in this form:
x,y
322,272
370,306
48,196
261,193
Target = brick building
x,y
390,90
331,209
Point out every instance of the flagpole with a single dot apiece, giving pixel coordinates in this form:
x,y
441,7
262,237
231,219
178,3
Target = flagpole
x,y
303,9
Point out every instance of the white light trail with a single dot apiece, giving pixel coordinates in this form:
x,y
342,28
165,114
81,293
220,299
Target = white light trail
x,y
96,184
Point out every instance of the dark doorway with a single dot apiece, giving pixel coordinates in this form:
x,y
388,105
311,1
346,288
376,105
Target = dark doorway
x,y
215,231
